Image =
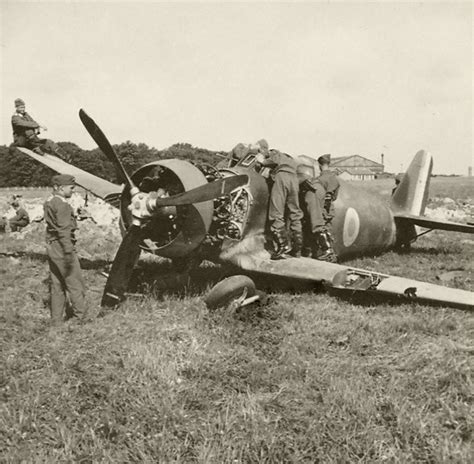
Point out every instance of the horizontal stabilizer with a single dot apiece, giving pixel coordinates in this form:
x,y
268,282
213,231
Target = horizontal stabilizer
x,y
428,223
95,185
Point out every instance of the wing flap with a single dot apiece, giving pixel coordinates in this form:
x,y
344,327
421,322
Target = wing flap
x,y
434,223
95,185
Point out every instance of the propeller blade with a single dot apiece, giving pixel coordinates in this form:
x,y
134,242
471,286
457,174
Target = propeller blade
x,y
122,267
102,142
204,192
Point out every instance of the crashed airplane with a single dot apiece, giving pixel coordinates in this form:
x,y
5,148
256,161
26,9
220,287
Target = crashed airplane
x,y
188,212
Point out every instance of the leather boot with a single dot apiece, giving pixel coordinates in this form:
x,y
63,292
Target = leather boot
x,y
306,251
325,243
296,244
282,247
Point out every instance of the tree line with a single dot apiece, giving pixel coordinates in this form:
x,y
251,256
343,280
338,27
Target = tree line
x,y
19,170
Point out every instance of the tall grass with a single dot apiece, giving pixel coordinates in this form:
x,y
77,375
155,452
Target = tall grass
x,y
308,378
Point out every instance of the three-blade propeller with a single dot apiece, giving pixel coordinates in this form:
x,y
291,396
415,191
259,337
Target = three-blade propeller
x,y
142,206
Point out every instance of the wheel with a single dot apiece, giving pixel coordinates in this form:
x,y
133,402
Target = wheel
x,y
228,290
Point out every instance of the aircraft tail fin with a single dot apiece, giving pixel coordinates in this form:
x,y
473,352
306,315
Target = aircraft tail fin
x,y
412,193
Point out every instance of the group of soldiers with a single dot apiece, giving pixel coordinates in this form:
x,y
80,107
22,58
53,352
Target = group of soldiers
x,y
298,198
299,201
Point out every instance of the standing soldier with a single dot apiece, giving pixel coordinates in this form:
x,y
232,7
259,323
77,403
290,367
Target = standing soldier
x,y
330,182
312,198
283,196
26,130
65,270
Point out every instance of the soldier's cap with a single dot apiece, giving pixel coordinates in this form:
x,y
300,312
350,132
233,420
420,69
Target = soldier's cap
x,y
19,102
324,159
63,179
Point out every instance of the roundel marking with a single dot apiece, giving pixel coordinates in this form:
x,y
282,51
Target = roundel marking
x,y
351,227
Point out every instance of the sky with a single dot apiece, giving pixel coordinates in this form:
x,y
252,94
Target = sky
x,y
310,77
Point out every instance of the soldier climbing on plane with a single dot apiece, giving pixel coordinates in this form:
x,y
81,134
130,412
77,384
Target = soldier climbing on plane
x,y
330,182
283,198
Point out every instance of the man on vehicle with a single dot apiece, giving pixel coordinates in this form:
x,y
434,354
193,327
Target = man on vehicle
x,y
65,270
283,197
330,182
312,196
26,130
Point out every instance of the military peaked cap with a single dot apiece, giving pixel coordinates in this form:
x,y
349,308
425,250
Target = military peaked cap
x,y
63,179
19,102
324,159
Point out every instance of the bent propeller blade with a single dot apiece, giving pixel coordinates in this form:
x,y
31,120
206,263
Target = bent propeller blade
x,y
204,192
102,142
122,267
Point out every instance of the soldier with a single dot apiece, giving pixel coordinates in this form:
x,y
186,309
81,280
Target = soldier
x,y
65,270
21,218
330,182
312,197
283,196
240,151
26,130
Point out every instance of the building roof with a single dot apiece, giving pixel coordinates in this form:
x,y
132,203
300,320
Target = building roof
x,y
354,161
356,172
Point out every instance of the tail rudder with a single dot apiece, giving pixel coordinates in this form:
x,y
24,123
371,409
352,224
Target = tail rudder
x,y
412,192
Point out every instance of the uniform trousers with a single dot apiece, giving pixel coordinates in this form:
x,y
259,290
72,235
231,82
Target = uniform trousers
x,y
65,282
284,196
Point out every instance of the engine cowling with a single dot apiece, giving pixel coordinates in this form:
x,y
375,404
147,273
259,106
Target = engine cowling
x,y
172,232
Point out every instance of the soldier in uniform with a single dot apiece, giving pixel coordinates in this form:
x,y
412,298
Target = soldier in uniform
x,y
330,182
26,130
65,270
283,196
312,197
21,218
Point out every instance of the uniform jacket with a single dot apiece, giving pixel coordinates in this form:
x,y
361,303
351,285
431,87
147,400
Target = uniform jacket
x,y
21,216
23,125
61,223
331,184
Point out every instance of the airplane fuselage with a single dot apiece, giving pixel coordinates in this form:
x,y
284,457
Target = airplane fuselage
x,y
363,223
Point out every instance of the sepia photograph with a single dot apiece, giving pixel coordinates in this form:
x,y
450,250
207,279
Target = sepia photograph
x,y
236,232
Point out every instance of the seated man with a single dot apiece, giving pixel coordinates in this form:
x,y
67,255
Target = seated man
x,y
3,224
21,218
26,130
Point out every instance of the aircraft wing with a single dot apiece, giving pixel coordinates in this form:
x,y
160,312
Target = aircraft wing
x,y
428,223
352,282
95,185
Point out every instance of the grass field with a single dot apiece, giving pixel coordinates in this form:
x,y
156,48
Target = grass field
x,y
308,378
